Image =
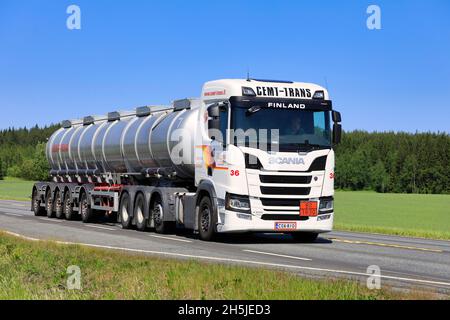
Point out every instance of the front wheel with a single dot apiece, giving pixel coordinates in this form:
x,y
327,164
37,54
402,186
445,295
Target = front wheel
x,y
305,237
207,220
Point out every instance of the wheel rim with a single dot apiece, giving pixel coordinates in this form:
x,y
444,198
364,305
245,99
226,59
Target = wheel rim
x,y
84,206
125,214
67,206
158,214
36,203
58,205
49,204
205,219
140,214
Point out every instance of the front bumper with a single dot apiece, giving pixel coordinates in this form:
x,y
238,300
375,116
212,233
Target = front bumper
x,y
232,222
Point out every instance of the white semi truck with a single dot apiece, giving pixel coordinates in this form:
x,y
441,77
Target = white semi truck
x,y
247,156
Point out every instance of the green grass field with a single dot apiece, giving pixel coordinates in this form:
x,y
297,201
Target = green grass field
x,y
38,270
401,214
15,189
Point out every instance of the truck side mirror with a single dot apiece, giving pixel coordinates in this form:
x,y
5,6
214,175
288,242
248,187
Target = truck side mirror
x,y
213,111
337,133
336,117
214,122
337,127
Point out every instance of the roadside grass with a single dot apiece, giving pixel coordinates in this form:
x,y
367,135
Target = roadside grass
x,y
415,215
37,270
15,189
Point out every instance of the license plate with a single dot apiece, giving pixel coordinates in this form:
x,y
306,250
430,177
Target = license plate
x,y
308,209
285,226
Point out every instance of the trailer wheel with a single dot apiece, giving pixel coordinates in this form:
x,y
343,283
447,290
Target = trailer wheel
x,y
157,214
37,209
68,208
207,220
124,211
49,204
85,209
305,237
141,221
59,205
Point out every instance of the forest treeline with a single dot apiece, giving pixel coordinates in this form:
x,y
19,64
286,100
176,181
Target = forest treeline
x,y
394,162
22,152
384,162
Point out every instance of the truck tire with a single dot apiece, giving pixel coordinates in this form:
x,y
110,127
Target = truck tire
x,y
157,214
59,205
68,208
141,221
37,209
207,220
49,204
85,209
305,237
124,211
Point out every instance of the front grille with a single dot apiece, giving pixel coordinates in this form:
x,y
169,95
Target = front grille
x,y
286,191
285,179
280,202
283,217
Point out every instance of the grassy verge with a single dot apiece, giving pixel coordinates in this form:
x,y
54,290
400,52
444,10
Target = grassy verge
x,y
37,270
415,215
15,189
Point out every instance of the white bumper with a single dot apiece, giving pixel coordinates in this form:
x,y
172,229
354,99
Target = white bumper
x,y
233,222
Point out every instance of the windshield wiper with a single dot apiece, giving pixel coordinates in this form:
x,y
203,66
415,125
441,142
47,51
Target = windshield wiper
x,y
304,146
252,110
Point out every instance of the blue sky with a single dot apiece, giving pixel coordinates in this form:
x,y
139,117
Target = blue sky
x,y
136,52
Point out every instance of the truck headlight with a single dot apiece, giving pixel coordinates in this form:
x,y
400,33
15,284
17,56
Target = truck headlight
x,y
326,205
238,203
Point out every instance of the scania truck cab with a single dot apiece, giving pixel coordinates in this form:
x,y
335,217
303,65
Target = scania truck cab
x,y
272,159
247,156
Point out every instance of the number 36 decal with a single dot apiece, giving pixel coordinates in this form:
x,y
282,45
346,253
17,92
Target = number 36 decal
x,y
235,173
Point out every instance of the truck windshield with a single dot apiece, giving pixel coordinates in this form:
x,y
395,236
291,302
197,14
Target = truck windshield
x,y
285,130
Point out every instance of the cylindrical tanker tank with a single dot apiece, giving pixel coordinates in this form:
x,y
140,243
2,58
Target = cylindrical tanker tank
x,y
126,143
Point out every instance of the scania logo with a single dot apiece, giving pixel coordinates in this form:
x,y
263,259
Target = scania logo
x,y
286,160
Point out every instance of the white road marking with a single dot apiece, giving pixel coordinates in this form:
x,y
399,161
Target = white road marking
x,y
168,238
21,236
51,220
99,227
13,214
18,205
239,261
277,255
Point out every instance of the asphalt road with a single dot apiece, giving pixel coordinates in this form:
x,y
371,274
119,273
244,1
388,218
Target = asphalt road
x,y
404,262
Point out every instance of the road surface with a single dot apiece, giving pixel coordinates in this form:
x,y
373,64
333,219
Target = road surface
x,y
404,262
